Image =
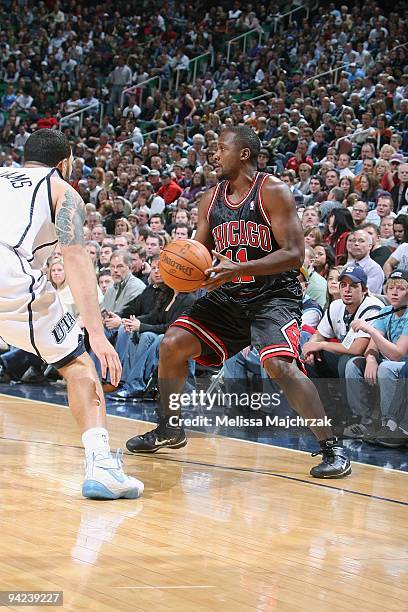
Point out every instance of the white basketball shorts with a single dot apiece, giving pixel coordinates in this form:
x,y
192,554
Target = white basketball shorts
x,y
31,314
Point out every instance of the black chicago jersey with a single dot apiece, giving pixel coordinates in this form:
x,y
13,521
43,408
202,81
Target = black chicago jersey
x,y
242,232
263,311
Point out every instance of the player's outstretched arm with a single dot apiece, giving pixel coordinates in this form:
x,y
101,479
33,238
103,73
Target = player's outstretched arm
x,y
69,223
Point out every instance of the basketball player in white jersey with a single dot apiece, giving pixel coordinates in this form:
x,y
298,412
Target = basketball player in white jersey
x,y
38,209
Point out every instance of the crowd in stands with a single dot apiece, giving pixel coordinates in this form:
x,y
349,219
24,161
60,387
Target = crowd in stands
x,y
327,96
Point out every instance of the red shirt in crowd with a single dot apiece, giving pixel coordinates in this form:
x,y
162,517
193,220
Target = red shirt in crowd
x,y
293,163
47,122
170,192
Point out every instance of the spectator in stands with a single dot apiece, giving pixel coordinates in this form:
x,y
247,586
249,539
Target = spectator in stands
x,y
379,253
326,353
359,213
398,259
384,206
340,224
384,358
125,288
346,184
312,236
288,177
316,194
169,190
324,259
359,245
104,280
149,329
399,192
304,179
317,287
386,231
368,189
300,156
311,311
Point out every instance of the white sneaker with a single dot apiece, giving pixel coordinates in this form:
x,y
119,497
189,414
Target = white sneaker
x,y
105,478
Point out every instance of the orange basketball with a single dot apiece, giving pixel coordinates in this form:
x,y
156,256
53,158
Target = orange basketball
x,y
182,264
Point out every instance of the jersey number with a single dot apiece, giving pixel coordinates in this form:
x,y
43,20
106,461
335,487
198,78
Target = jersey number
x,y
241,257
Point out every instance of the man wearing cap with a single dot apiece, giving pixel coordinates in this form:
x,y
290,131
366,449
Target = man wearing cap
x,y
359,245
169,190
399,192
326,358
384,361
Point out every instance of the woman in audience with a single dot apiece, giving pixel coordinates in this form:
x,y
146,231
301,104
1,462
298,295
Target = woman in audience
x,y
197,185
122,226
383,174
56,276
333,287
312,236
368,189
347,185
325,259
340,224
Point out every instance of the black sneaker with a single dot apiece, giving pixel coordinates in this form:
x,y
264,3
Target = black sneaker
x,y
335,462
163,436
391,438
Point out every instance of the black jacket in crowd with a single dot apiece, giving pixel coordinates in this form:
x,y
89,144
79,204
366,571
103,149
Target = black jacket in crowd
x,y
158,320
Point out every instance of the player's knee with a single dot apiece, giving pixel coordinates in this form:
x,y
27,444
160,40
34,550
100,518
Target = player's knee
x,y
279,367
81,377
176,345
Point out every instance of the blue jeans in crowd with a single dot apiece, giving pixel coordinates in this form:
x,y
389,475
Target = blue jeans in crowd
x,y
392,388
141,360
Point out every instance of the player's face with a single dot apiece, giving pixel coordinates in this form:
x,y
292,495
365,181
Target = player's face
x,y
228,158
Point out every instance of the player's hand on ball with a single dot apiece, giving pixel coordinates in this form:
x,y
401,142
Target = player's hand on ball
x,y
224,272
108,358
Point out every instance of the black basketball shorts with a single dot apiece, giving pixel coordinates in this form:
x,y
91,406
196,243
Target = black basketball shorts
x,y
225,326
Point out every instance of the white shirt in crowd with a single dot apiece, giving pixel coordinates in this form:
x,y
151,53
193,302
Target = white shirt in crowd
x,y
333,325
401,256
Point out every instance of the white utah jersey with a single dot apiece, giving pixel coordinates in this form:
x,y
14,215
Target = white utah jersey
x,y
27,218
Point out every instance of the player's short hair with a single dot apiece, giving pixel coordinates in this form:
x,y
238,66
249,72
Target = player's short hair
x,y
47,147
246,138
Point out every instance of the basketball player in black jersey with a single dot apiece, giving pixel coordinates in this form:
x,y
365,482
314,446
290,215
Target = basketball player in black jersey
x,y
253,296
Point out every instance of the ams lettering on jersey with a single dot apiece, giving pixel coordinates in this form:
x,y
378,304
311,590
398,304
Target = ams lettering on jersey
x,y
17,180
242,233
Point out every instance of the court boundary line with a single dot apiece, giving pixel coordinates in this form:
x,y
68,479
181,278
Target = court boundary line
x,y
225,467
201,433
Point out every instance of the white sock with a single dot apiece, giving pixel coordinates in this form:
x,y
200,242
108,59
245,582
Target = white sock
x,y
96,440
391,425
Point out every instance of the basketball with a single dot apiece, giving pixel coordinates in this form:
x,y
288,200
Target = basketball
x,y
182,265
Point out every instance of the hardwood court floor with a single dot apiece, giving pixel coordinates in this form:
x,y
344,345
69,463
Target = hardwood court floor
x,y
223,525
